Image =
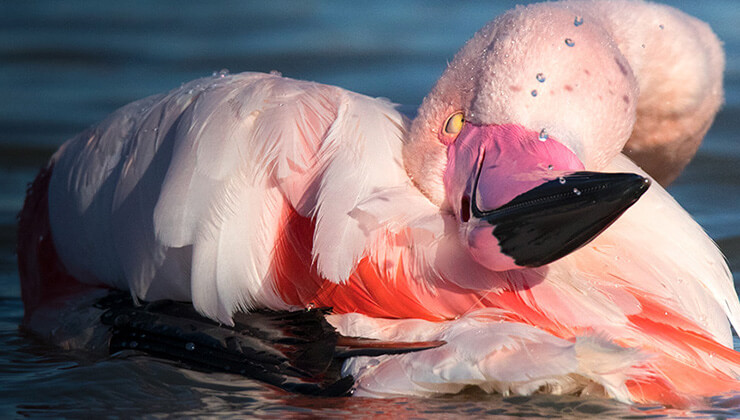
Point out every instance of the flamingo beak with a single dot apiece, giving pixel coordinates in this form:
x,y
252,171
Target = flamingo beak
x,y
525,201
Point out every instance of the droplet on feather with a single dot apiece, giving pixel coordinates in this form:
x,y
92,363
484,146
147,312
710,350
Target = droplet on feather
x,y
543,136
220,73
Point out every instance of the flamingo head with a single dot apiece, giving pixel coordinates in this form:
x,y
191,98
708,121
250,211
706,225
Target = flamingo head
x,y
511,138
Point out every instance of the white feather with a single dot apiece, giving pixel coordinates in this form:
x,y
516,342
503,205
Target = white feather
x,y
82,186
234,249
209,143
508,358
359,156
691,276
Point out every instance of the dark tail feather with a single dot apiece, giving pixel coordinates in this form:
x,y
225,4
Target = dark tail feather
x,y
356,346
296,351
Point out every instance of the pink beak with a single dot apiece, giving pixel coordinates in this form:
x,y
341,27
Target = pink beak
x,y
524,200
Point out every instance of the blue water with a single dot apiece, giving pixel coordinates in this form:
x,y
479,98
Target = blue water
x,y
66,64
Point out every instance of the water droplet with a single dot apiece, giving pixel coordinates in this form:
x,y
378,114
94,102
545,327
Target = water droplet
x,y
576,191
666,313
134,344
540,77
190,92
534,92
578,21
550,167
275,73
222,73
561,180
543,135
661,26
569,42
189,346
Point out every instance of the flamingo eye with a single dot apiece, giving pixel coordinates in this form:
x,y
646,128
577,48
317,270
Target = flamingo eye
x,y
454,124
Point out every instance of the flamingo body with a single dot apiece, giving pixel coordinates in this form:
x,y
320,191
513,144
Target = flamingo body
x,y
253,190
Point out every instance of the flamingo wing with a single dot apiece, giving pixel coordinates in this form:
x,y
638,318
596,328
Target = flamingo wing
x,y
181,195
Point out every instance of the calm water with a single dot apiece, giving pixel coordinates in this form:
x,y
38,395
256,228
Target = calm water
x,y
65,65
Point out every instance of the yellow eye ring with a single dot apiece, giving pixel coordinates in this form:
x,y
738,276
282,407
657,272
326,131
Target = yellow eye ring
x,y
454,124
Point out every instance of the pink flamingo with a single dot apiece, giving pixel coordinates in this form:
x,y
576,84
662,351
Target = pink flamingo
x,y
256,191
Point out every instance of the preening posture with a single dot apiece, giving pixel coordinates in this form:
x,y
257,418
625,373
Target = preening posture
x,y
488,222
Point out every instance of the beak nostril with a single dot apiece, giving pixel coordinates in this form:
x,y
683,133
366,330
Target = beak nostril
x,y
465,209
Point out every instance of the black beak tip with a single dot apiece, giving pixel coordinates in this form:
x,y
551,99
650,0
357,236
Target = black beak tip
x,y
560,216
634,183
645,183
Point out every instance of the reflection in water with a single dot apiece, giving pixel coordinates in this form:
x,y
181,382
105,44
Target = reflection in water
x,y
68,64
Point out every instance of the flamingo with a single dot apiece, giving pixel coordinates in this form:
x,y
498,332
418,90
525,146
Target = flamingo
x,y
246,191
